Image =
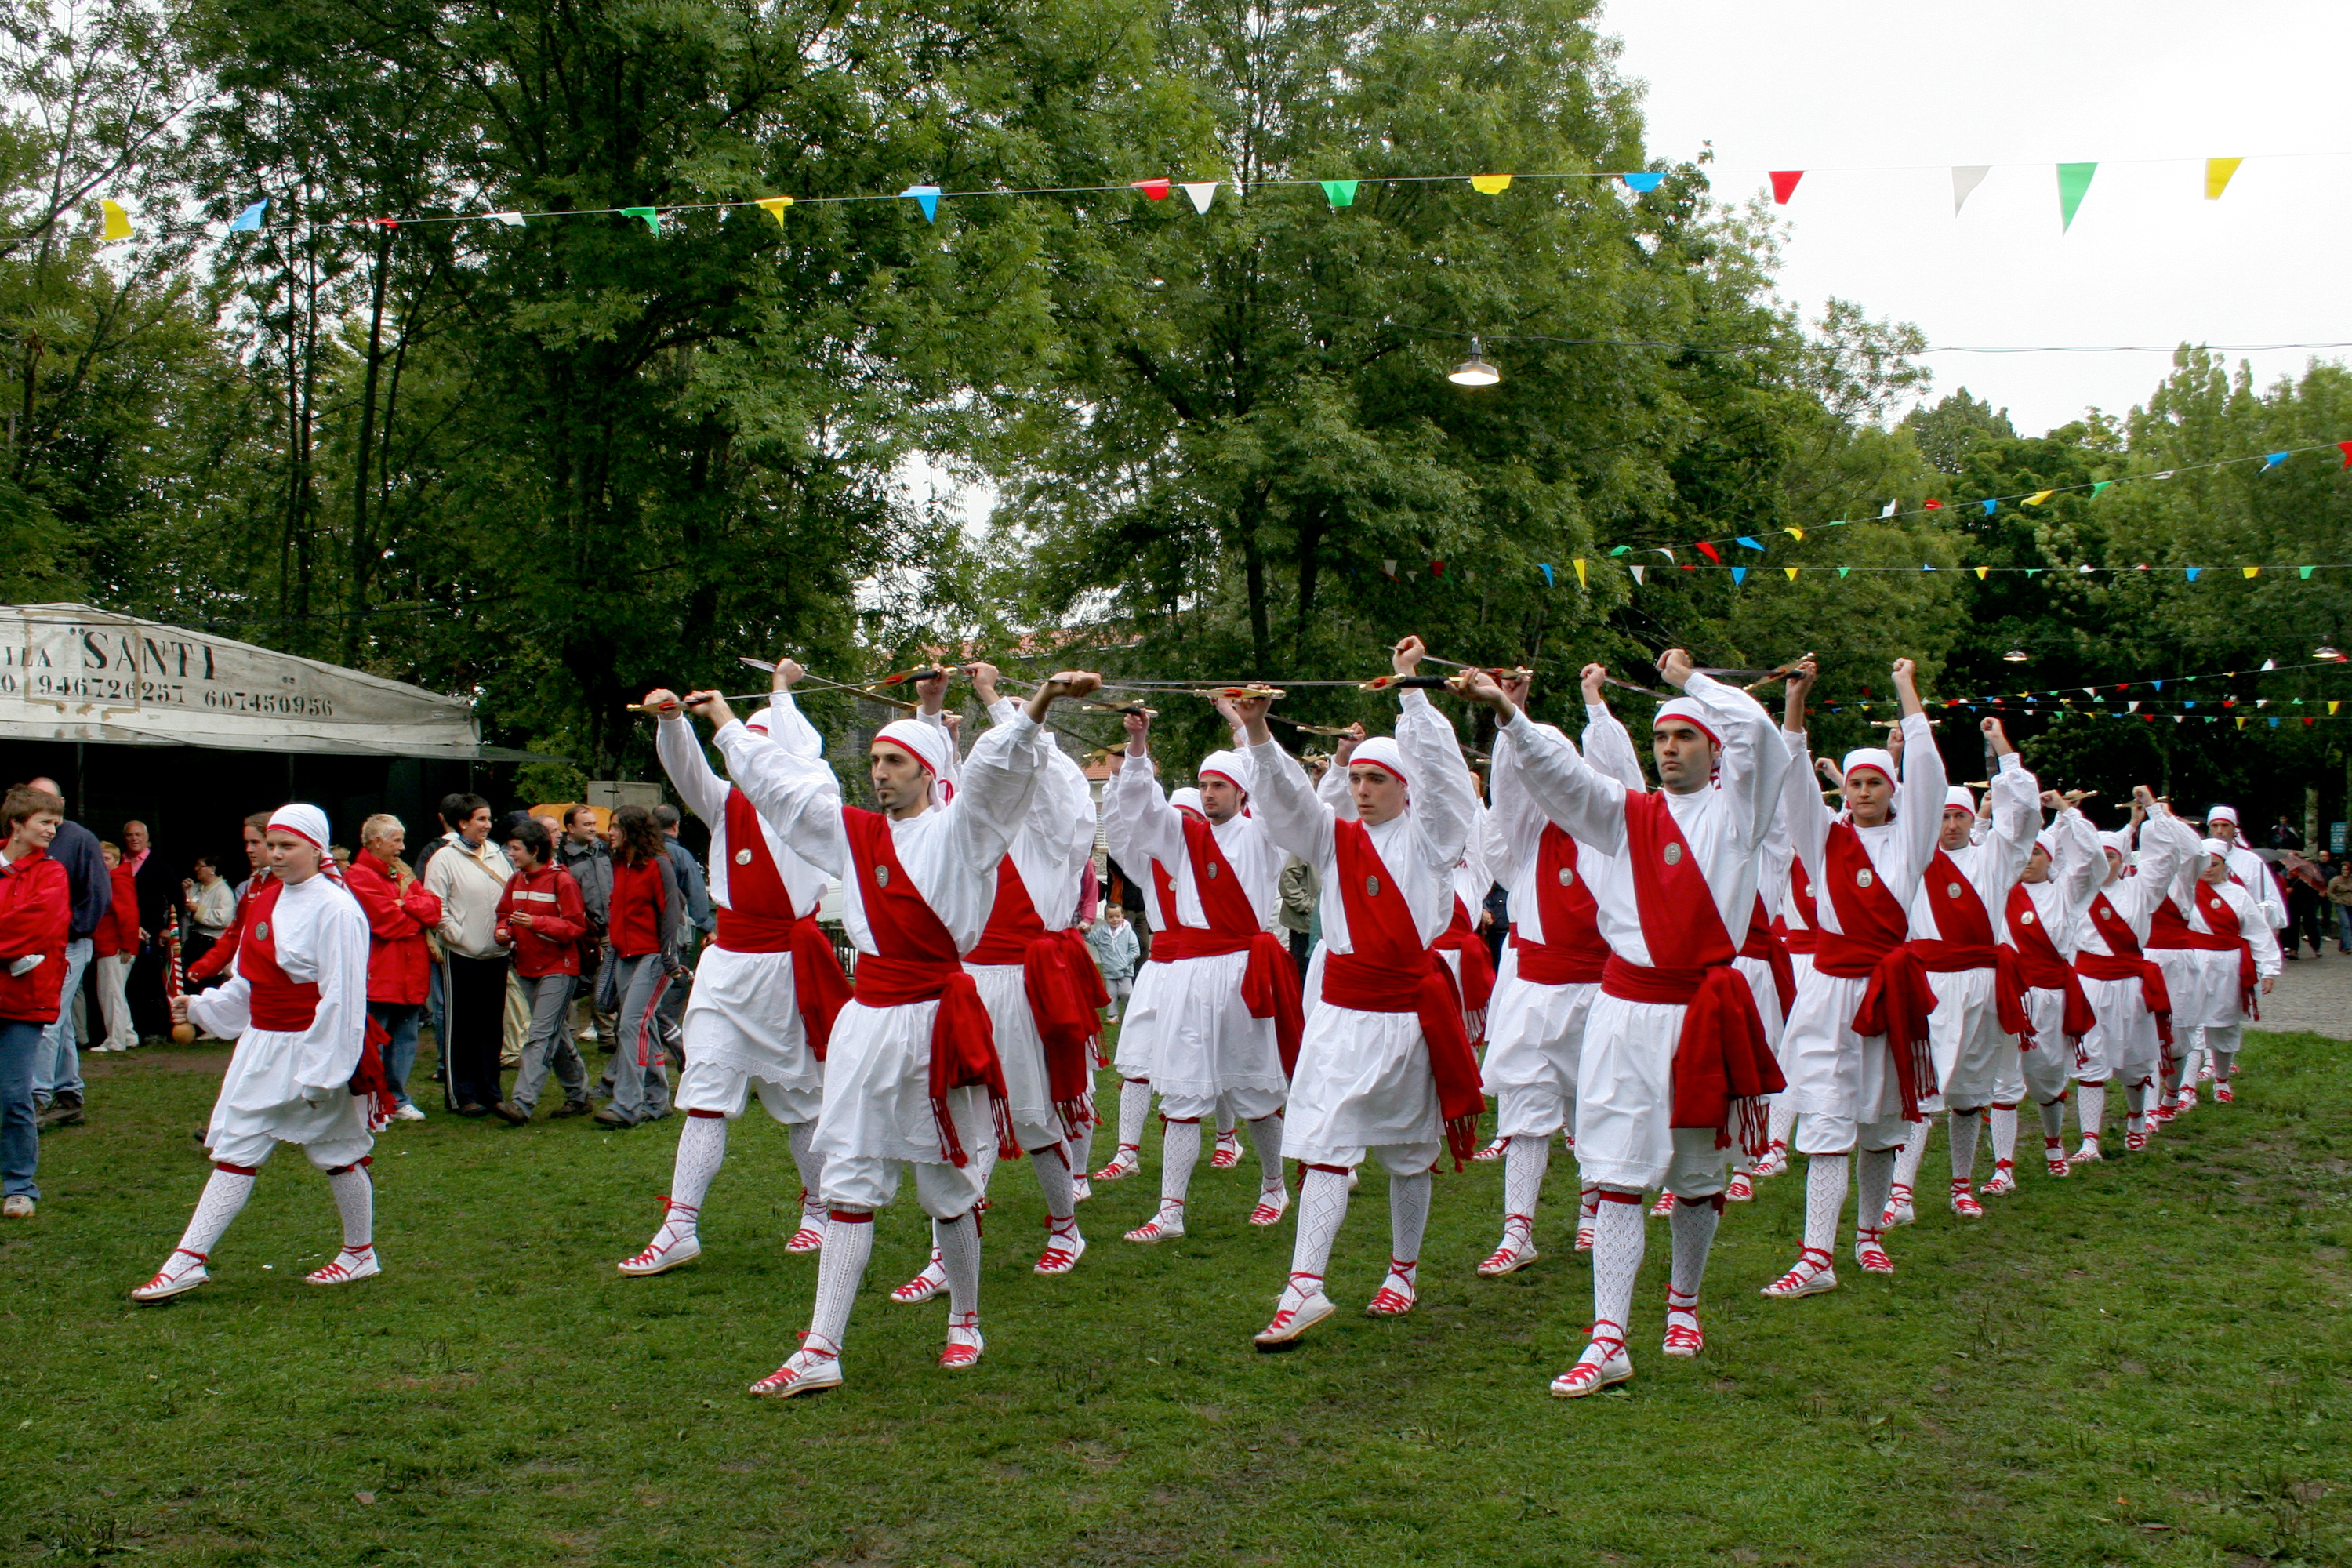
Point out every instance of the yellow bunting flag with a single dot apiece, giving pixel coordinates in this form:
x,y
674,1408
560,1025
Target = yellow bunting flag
x,y
1792,571
1796,533
2333,705
2242,721
1490,184
1578,563
118,222
775,206
2038,497
2249,571
1981,572
2217,175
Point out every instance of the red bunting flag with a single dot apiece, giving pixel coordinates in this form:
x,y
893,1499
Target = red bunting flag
x,y
1156,189
1703,548
1784,184
2346,447
1934,505
1437,568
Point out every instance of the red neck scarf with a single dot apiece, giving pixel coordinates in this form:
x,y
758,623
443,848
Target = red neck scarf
x,y
2125,962
2042,967
1477,966
1724,1071
1872,943
1064,987
1571,951
915,960
1270,988
758,917
1766,944
2221,919
1391,972
1964,942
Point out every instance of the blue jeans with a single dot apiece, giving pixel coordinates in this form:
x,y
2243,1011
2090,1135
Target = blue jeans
x,y
57,1067
20,1133
640,1063
2343,927
399,1020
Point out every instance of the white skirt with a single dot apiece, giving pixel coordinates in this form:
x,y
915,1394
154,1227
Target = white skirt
x,y
1832,1070
1363,1082
1139,1028
1206,1044
1535,1042
1965,1032
877,1089
1004,991
2125,1045
259,1097
744,1013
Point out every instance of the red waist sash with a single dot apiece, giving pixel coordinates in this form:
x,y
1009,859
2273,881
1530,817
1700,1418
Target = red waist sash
x,y
1558,964
1722,1070
963,1042
1895,1004
820,990
1432,995
1764,944
2153,990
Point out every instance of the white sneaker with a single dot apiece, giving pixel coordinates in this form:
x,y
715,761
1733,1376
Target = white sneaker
x,y
175,1279
2089,1151
1272,1203
1512,1253
408,1112
1165,1225
346,1267
667,1249
808,1238
932,1282
17,1206
1081,1189
1064,1248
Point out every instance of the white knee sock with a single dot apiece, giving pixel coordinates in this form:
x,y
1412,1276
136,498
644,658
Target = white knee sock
x,y
1180,1150
2091,1109
1906,1162
1826,1182
2223,1061
1052,1168
959,1241
1962,1127
2054,1120
224,1196
1620,1236
1873,1183
1322,1206
2136,1107
847,1246
801,1135
1408,1218
1224,1119
1692,1227
1265,1136
2004,1136
1134,1104
1524,1164
1784,1120
701,1150
355,1202
1080,1148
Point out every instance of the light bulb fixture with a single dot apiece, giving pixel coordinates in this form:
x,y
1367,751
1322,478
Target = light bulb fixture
x,y
2326,652
1474,371
2016,656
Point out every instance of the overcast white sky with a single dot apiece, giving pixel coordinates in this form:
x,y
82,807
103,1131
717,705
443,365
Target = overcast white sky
x,y
1843,89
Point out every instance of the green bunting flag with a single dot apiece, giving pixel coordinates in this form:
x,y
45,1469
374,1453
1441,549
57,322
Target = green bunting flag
x,y
2074,181
651,216
1341,192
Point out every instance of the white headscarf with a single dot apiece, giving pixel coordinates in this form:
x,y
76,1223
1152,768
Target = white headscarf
x,y
928,744
2215,848
1187,799
1382,752
307,823
1231,766
1876,757
1959,797
2228,813
1690,712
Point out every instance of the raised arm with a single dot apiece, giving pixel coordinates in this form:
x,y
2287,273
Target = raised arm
x,y
2082,861
1608,745
682,758
798,796
2015,797
1002,774
1563,786
2167,847
1444,803
1753,760
1803,812
1921,803
1133,800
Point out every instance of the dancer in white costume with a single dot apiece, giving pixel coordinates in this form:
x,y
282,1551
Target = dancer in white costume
x,y
1675,1062
1043,992
1139,1021
2044,910
1227,1014
2124,975
766,991
911,1078
1979,1009
304,1070
2238,955
1856,1049
1551,968
1385,1068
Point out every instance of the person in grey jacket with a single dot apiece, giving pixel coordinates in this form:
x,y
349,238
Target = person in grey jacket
x,y
583,852
1112,941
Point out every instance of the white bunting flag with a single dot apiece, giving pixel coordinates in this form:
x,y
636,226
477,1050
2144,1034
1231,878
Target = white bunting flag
x,y
1637,571
1888,509
512,220
1967,177
1202,194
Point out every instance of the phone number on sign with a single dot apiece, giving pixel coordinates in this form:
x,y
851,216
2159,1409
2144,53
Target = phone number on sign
x,y
114,689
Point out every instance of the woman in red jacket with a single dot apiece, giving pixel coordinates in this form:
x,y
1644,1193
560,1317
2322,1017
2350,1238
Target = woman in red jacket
x,y
400,966
645,919
35,909
114,947
541,921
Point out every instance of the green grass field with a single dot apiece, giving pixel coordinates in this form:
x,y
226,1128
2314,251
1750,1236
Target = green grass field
x,y
2146,1363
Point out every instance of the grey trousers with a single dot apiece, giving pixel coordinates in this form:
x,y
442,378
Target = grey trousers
x,y
549,1042
640,1063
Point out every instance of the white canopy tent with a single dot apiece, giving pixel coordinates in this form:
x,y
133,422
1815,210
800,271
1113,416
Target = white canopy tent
x,y
70,672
